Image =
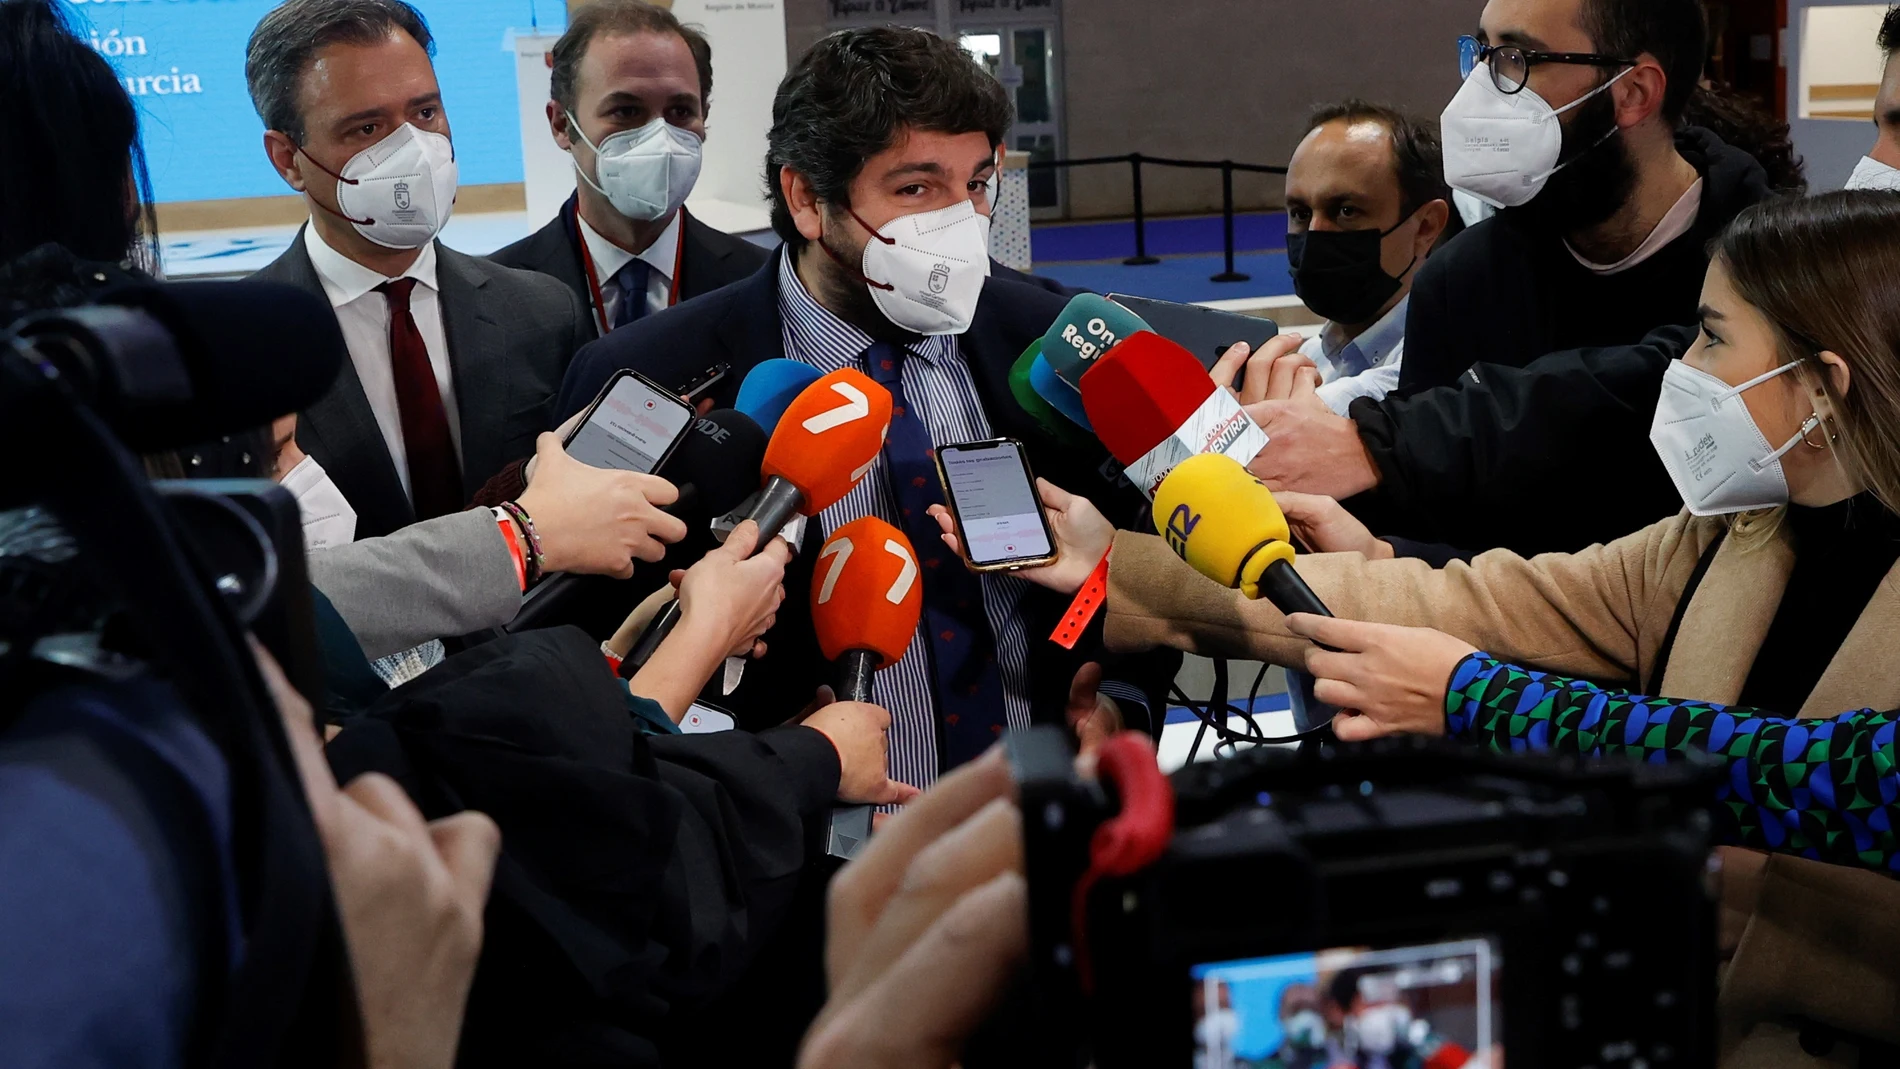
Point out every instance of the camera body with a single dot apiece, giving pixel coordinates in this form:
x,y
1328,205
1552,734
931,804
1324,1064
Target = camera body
x,y
1409,902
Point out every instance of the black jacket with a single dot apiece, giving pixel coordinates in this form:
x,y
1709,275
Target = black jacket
x,y
1551,457
639,875
1502,294
709,258
740,327
510,335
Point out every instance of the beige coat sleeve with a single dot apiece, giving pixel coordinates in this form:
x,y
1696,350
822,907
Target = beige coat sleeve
x,y
1600,613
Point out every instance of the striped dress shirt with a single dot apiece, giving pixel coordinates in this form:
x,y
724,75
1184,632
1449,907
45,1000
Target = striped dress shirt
x,y
938,385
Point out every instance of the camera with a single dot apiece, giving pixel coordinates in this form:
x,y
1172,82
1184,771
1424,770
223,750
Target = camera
x,y
1403,903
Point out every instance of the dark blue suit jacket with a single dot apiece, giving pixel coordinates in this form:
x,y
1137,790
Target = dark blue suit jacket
x,y
739,326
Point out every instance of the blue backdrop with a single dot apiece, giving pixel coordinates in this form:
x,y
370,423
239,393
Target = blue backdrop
x,y
183,62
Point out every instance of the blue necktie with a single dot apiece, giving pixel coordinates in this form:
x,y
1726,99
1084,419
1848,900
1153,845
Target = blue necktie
x,y
964,675
631,280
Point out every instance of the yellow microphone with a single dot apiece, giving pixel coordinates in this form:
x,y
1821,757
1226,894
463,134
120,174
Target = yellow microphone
x,y
1226,525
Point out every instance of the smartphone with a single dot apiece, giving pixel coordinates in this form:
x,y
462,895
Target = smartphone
x,y
1205,332
701,384
634,425
992,495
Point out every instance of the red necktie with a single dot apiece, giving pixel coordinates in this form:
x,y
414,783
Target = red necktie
x,y
435,478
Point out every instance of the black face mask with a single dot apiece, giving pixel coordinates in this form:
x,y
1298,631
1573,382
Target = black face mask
x,y
1338,274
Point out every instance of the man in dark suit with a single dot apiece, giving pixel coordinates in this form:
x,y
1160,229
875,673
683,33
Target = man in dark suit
x,y
453,360
631,88
889,134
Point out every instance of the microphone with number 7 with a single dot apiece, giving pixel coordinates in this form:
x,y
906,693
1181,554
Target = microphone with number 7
x,y
1154,406
865,604
824,444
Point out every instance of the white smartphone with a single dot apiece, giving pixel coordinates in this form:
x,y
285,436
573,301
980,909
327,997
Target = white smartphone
x,y
634,425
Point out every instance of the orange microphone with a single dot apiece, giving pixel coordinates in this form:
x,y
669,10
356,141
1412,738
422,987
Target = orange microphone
x,y
865,601
865,604
823,446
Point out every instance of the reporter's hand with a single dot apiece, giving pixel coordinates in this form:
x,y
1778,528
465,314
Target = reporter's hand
x,y
1311,450
732,596
861,733
1277,372
592,521
410,896
1323,524
925,928
1394,677
1083,536
1092,716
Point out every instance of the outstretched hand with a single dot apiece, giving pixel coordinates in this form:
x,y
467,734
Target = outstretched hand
x,y
597,522
1393,678
1083,536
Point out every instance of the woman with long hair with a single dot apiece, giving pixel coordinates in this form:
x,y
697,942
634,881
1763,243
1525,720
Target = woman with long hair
x,y
1775,590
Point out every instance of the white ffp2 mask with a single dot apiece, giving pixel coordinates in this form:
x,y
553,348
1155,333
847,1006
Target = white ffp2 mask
x,y
1503,147
926,271
645,173
1870,173
328,519
1717,456
398,192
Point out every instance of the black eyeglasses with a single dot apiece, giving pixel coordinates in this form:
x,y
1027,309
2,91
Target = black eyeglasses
x,y
1511,65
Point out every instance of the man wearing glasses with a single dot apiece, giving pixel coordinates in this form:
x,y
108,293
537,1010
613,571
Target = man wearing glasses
x,y
1568,122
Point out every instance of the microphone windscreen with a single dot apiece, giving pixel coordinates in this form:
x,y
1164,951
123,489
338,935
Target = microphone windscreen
x,y
1089,327
865,593
720,459
1139,394
829,437
1058,394
770,387
1023,391
254,351
1154,406
1222,521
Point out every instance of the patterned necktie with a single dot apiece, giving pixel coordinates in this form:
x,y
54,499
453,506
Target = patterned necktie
x,y
631,280
964,675
435,476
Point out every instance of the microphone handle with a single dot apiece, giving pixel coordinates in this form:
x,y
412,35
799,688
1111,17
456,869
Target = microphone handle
x,y
851,825
1289,593
855,670
777,504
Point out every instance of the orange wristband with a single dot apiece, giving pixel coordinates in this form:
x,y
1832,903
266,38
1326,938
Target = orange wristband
x,y
1087,602
510,536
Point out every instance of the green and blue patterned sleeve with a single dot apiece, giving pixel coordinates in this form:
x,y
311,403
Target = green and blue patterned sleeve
x,y
1822,789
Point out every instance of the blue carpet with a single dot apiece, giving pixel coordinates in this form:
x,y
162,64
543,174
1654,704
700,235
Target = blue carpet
x,y
1181,279
1058,242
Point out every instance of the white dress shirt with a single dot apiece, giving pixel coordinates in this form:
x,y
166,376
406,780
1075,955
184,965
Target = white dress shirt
x,y
1366,366
364,316
662,256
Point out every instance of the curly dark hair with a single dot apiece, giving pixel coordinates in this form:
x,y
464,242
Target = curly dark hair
x,y
1740,120
855,92
1890,31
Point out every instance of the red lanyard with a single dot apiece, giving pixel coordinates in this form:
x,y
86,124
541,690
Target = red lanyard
x,y
593,276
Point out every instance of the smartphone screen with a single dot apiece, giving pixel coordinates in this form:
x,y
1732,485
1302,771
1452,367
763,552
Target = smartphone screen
x,y
633,426
995,502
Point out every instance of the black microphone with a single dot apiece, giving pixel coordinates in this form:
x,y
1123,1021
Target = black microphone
x,y
168,365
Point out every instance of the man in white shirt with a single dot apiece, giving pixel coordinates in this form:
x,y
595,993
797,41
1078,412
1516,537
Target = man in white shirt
x,y
630,91
1366,204
453,361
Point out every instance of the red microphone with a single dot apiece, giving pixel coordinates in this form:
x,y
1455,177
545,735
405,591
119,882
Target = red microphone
x,y
865,601
1153,405
823,446
865,604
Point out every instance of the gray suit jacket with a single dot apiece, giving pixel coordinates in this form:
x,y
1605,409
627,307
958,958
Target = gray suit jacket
x,y
510,335
452,575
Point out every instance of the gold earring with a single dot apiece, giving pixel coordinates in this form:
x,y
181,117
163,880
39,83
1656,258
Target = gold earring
x,y
1816,422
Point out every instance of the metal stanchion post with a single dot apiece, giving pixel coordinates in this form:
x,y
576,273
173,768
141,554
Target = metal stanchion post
x,y
1141,257
1227,224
